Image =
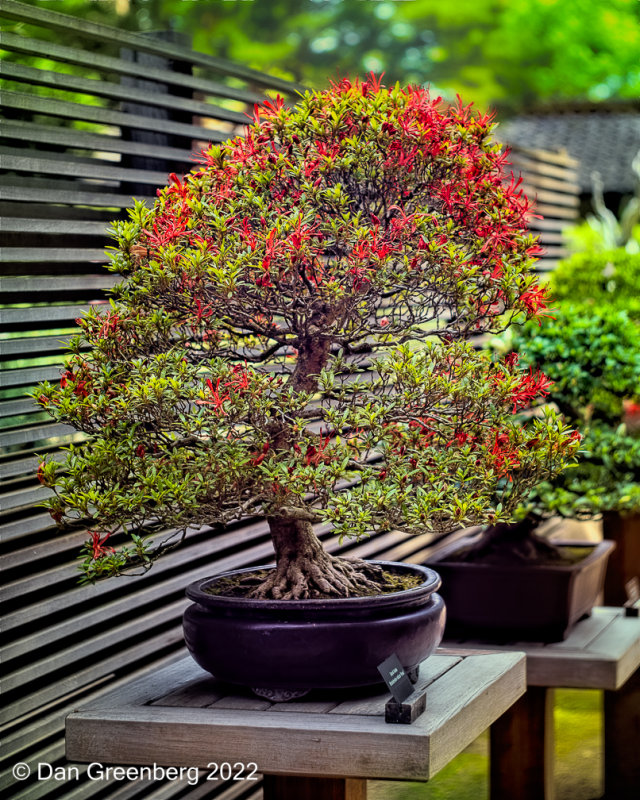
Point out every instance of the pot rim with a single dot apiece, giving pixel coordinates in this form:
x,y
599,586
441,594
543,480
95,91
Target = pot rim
x,y
432,581
598,549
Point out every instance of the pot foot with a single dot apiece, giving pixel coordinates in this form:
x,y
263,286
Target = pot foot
x,y
414,674
280,695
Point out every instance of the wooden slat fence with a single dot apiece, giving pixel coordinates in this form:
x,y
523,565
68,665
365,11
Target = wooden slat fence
x,y
551,179
73,150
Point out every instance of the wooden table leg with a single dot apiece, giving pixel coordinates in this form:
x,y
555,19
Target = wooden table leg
x,y
522,749
289,787
622,741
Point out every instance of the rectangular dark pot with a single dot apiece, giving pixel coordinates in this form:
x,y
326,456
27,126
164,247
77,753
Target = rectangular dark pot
x,y
529,602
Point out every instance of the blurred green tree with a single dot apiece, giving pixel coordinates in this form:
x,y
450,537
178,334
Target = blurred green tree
x,y
509,53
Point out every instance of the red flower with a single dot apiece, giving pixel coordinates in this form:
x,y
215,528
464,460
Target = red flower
x,y
259,458
532,385
535,301
98,545
217,400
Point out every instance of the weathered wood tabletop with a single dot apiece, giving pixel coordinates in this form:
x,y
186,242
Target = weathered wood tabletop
x,y
183,717
601,652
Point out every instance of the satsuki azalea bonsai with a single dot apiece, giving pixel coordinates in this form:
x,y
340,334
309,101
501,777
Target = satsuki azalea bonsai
x,y
291,340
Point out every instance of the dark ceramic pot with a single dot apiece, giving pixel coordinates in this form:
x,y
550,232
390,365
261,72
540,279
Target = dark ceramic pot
x,y
313,644
529,602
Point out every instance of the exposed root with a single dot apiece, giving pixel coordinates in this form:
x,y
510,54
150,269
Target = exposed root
x,y
305,570
303,578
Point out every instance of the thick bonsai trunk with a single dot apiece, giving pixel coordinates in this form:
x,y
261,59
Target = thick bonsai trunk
x,y
515,543
305,570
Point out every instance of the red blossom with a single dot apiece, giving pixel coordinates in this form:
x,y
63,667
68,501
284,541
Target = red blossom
x,y
217,400
239,381
202,311
532,385
318,455
258,458
504,456
98,545
535,301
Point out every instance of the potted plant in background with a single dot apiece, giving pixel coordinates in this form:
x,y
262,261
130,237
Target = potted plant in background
x,y
610,281
290,340
595,352
593,357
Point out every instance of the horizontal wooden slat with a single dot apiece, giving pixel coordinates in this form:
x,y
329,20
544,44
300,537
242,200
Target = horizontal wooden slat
x,y
171,639
106,116
15,160
555,198
123,38
117,66
94,643
26,193
23,499
41,316
35,731
118,91
38,255
41,134
48,284
534,182
541,167
36,434
554,157
30,375
23,466
14,408
553,211
14,531
55,226
33,345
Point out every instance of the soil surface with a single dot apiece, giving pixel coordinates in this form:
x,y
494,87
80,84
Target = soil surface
x,y
242,585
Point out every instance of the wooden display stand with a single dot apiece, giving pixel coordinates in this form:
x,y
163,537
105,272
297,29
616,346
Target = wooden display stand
x,y
602,652
322,747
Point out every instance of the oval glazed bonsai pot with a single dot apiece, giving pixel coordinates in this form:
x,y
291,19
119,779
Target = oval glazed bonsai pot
x,y
313,644
528,602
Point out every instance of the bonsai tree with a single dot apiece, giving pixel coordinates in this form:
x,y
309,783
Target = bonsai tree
x,y
593,356
291,339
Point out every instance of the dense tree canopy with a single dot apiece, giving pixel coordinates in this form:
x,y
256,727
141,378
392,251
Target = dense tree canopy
x,y
291,339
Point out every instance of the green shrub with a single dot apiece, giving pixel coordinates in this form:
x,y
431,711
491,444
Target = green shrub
x,y
610,279
593,357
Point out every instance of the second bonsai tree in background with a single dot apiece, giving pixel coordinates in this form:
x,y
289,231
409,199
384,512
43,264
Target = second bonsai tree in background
x,y
594,359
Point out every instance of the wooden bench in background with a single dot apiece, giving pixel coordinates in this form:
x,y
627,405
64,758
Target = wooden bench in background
x,y
602,652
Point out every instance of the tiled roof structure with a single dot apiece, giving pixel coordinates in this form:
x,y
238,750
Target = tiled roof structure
x,y
602,139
